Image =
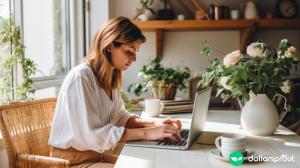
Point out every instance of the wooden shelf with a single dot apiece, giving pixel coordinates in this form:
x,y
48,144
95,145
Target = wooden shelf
x,y
278,23
246,27
193,25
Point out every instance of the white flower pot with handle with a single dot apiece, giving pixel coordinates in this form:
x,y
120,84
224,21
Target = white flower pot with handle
x,y
259,115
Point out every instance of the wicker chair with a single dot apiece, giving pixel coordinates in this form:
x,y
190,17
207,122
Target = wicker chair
x,y
25,128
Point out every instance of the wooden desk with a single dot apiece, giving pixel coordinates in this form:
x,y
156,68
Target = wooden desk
x,y
283,142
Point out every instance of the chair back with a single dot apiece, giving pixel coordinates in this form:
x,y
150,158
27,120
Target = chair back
x,y
26,127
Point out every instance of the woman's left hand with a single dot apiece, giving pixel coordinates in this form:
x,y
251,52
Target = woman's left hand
x,y
175,122
141,123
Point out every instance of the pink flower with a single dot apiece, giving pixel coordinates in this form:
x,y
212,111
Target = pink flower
x,y
232,58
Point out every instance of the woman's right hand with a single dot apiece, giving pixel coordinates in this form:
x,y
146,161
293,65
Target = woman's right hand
x,y
163,131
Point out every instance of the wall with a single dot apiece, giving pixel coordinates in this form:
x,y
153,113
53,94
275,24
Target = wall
x,y
183,47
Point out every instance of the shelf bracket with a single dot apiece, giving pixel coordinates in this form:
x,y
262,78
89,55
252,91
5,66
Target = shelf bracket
x,y
159,42
245,37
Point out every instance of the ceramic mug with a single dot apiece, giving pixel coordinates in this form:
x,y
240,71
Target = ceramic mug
x,y
235,14
229,143
153,107
180,17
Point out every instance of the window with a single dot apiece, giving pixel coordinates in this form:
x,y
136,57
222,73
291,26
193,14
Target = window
x,y
46,36
4,16
56,36
4,10
47,92
4,50
46,33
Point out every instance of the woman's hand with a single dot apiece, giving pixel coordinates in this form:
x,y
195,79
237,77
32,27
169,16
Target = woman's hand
x,y
163,131
175,122
141,129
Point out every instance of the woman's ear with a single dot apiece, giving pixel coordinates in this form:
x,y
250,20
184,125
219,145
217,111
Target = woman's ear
x,y
108,48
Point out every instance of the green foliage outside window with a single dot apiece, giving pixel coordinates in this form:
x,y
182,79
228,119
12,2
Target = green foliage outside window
x,y
10,35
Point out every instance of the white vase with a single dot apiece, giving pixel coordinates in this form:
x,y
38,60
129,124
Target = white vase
x,y
147,15
143,17
250,11
259,115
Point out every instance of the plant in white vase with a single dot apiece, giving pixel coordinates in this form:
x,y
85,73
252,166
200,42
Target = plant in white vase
x,y
146,12
255,78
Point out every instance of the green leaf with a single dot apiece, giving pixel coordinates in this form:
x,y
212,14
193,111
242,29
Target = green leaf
x,y
10,34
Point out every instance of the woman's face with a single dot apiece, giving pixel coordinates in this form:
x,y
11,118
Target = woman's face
x,y
122,57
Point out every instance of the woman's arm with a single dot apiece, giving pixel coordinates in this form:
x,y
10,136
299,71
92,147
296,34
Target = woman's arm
x,y
135,122
151,133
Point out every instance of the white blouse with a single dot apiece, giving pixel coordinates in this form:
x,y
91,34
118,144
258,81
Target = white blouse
x,y
86,118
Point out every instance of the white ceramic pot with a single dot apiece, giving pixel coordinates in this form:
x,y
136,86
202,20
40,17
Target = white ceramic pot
x,y
143,17
250,11
259,115
149,14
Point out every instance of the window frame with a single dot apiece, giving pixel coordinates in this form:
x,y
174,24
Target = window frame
x,y
73,43
80,21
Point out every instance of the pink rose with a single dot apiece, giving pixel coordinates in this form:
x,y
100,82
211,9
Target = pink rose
x,y
232,58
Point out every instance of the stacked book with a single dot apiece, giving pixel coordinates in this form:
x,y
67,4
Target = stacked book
x,y
177,106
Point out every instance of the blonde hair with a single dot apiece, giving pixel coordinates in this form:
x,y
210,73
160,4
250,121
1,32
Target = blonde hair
x,y
116,31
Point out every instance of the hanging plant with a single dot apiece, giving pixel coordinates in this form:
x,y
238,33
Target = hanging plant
x,y
10,35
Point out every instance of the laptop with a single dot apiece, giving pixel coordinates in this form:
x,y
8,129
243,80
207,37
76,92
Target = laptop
x,y
189,136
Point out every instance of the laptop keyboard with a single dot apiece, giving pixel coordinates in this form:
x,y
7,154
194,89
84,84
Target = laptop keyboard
x,y
184,136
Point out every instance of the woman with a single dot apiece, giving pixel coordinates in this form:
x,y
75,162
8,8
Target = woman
x,y
90,115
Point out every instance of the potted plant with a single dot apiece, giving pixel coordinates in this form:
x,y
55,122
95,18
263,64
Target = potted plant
x,y
13,55
146,12
255,78
163,81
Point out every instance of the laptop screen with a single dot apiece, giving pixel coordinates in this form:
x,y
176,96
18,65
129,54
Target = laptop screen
x,y
199,113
